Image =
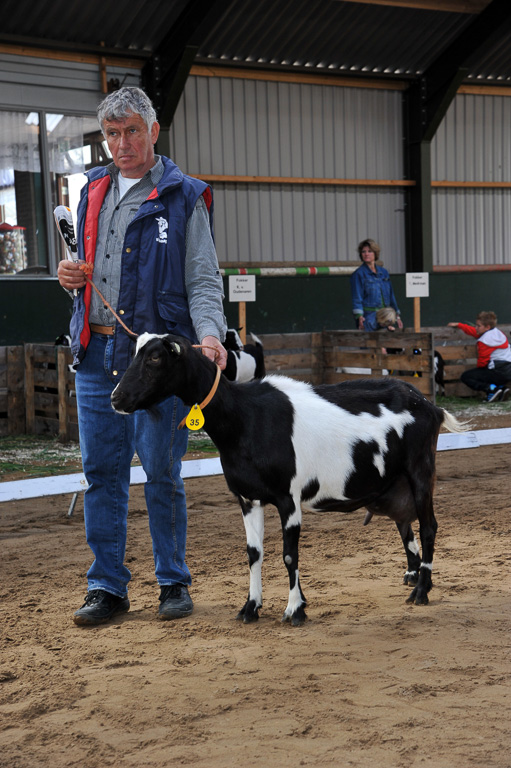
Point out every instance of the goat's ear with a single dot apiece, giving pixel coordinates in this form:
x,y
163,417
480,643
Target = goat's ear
x,y
173,346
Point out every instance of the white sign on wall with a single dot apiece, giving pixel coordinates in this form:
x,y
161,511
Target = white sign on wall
x,y
417,284
242,288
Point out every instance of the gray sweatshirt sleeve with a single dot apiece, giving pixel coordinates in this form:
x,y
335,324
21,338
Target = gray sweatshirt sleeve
x,y
202,276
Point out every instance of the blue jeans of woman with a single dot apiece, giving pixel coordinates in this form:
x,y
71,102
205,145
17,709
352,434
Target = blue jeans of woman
x,y
108,441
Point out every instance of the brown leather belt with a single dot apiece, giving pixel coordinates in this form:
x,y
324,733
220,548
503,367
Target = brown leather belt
x,y
105,330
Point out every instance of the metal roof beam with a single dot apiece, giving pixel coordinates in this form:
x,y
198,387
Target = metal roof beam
x,y
166,74
453,6
425,105
439,83
71,46
190,29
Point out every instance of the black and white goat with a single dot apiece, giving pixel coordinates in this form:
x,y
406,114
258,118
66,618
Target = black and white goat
x,y
367,443
439,373
244,361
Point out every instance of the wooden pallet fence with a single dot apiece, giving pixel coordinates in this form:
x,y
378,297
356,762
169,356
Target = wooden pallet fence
x,y
37,388
297,355
12,397
331,356
50,399
352,355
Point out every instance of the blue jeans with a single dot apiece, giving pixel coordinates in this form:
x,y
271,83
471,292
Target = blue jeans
x,y
108,441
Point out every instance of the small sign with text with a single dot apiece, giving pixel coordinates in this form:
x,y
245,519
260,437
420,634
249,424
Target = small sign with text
x,y
417,284
242,288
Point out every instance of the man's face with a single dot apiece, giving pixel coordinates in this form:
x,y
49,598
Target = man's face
x,y
131,145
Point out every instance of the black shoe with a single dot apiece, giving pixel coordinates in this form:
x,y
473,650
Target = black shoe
x,y
175,602
99,607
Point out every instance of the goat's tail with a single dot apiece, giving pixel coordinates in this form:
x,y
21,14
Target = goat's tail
x,y
452,424
255,339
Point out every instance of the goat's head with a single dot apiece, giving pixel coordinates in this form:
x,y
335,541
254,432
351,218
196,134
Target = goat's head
x,y
155,373
232,340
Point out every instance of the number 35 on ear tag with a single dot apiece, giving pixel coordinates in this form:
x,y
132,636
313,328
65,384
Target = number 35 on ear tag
x,y
195,419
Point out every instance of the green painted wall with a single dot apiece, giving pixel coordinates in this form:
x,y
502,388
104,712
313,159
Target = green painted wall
x,y
36,310
295,304
32,310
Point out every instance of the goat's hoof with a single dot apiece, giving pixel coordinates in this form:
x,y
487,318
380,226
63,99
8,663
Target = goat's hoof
x,y
422,599
249,613
296,619
418,597
247,618
410,579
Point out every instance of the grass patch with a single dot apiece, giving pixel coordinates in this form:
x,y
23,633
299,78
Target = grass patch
x,y
37,456
459,404
27,456
200,441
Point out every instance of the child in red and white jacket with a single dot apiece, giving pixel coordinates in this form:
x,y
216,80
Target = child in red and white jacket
x,y
493,358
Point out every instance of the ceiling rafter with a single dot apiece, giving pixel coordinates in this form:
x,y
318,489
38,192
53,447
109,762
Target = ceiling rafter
x,y
441,80
452,6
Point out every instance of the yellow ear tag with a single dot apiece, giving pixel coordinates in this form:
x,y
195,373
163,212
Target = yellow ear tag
x,y
195,419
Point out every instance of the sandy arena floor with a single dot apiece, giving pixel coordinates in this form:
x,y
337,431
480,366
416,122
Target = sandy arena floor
x,y
367,681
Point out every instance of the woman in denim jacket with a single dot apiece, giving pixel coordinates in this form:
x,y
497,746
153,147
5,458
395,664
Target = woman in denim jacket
x,y
371,288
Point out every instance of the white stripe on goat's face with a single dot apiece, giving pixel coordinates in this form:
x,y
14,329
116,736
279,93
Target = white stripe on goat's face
x,y
144,338
315,422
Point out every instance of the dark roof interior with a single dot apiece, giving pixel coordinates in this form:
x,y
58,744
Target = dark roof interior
x,y
391,38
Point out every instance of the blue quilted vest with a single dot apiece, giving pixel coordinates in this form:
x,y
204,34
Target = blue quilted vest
x,y
152,294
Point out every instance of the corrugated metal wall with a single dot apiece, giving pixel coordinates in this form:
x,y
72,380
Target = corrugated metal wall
x,y
243,127
278,222
41,83
471,227
472,144
229,126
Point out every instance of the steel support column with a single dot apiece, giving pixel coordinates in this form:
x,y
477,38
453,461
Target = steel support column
x,y
425,105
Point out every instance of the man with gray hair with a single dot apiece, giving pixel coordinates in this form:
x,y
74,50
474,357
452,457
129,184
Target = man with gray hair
x,y
145,229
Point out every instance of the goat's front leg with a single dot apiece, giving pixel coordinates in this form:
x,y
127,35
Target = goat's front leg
x,y
291,518
253,517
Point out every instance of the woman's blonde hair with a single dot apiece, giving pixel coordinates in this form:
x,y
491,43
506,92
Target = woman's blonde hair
x,y
373,245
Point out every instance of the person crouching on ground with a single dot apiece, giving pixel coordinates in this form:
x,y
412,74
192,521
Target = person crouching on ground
x,y
493,369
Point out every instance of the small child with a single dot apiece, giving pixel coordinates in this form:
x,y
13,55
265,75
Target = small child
x,y
493,369
386,317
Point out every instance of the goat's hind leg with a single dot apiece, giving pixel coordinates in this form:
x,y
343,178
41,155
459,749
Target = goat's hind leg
x,y
253,517
398,503
423,492
412,551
